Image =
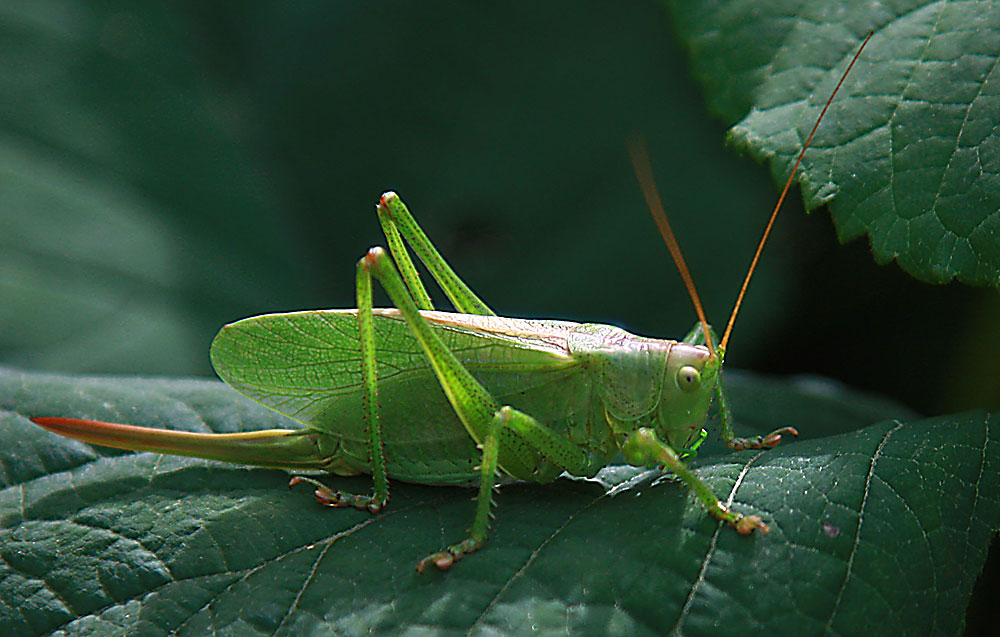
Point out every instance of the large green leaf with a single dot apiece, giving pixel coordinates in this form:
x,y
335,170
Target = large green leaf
x,y
910,151
884,526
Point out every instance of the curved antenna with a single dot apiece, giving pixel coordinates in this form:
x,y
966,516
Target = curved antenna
x,y
781,199
644,173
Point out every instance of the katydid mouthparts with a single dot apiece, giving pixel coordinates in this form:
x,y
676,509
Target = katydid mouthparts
x,y
466,397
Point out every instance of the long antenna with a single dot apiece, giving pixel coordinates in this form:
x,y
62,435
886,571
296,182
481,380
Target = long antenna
x,y
644,173
781,199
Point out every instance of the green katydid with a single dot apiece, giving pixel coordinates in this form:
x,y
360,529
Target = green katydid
x,y
440,398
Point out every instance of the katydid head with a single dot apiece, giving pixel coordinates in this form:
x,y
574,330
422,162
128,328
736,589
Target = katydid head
x,y
644,173
690,375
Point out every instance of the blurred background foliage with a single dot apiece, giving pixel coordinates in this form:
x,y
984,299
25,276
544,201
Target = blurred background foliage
x,y
166,168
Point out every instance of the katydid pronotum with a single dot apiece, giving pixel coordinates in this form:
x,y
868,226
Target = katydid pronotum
x,y
464,398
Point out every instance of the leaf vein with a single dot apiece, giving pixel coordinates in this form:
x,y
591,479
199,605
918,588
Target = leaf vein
x,y
861,516
710,553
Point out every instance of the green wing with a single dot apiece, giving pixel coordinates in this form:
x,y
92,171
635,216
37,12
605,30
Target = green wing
x,y
302,363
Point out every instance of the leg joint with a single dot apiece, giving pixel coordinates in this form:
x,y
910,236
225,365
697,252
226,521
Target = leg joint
x,y
372,259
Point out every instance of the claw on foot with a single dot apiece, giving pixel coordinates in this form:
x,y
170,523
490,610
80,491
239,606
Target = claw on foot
x,y
744,524
444,559
773,438
747,523
328,497
762,442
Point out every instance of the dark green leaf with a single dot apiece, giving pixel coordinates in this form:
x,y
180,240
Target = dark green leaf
x,y
122,169
884,526
909,153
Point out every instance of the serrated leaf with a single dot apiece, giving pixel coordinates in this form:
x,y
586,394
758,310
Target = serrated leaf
x,y
909,152
887,525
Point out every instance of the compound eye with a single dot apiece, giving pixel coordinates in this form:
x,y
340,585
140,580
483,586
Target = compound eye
x,y
688,378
